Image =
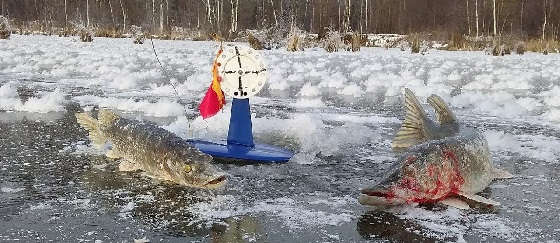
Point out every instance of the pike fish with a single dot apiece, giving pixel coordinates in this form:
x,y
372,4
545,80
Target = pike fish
x,y
156,151
440,163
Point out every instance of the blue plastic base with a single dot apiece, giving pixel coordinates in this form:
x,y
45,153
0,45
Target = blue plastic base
x,y
260,152
240,144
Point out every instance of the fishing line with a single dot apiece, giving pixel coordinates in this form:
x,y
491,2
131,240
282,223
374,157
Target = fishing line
x,y
166,76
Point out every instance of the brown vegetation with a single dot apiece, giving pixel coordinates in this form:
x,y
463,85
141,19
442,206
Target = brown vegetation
x,y
295,40
5,30
332,42
254,42
520,47
414,41
544,47
86,35
356,42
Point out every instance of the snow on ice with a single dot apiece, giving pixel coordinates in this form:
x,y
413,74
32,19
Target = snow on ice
x,y
314,102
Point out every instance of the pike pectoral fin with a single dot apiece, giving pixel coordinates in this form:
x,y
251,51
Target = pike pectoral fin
x,y
502,174
127,165
479,199
113,154
455,202
413,130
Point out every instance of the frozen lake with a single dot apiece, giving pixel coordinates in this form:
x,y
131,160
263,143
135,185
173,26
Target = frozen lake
x,y
337,111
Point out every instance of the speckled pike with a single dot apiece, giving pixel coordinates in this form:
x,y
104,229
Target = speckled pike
x,y
158,152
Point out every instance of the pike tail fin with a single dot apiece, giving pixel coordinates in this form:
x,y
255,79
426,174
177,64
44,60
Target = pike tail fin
x,y
444,114
92,126
413,130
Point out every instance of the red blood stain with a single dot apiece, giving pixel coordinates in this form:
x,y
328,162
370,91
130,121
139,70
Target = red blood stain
x,y
448,181
411,159
456,180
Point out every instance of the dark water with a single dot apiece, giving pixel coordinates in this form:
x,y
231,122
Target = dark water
x,y
54,189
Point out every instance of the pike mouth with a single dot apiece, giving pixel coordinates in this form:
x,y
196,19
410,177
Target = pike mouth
x,y
375,193
378,197
216,182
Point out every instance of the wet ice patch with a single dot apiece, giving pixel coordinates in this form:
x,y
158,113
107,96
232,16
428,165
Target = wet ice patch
x,y
309,103
125,210
41,206
81,147
11,190
292,213
453,223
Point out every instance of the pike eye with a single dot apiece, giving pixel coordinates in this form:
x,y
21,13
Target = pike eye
x,y
187,168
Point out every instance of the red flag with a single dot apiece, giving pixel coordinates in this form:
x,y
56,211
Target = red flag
x,y
214,99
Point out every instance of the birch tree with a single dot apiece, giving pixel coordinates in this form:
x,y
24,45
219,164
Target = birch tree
x,y
273,12
367,19
87,13
495,22
545,19
65,15
347,13
112,15
468,18
161,16
234,15
476,14
124,15
521,17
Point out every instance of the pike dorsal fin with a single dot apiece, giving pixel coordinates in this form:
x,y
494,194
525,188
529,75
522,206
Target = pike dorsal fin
x,y
413,130
443,113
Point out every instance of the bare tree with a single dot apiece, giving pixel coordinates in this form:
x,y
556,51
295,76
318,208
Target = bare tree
x,y
496,17
112,15
476,13
161,16
468,18
545,18
87,13
347,13
495,22
124,16
234,15
274,13
521,17
65,15
366,17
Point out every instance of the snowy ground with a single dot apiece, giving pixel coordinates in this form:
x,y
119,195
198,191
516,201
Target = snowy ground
x,y
337,111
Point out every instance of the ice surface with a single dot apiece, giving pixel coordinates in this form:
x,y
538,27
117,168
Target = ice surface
x,y
337,111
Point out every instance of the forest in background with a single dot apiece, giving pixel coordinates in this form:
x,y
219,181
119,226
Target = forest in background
x,y
527,19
